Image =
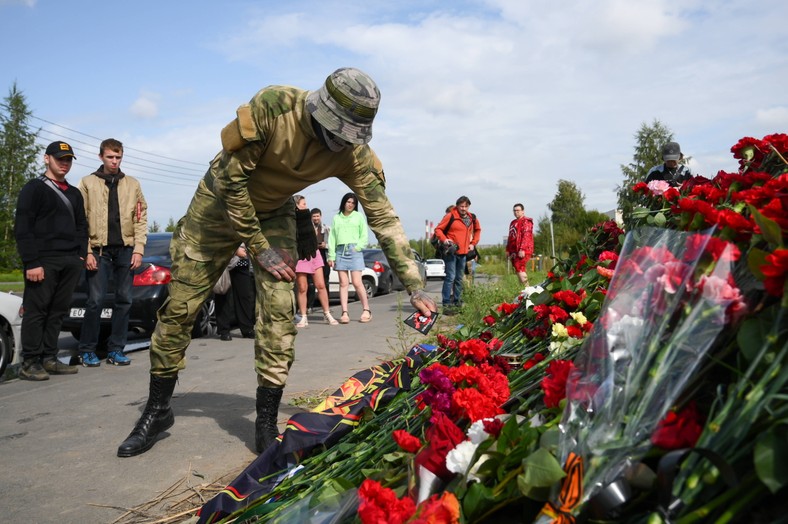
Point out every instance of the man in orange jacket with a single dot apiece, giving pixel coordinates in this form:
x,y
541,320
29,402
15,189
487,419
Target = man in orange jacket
x,y
459,232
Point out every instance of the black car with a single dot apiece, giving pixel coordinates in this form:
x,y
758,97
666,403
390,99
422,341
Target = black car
x,y
387,280
149,291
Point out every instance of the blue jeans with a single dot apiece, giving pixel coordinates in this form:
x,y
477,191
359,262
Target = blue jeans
x,y
113,262
455,270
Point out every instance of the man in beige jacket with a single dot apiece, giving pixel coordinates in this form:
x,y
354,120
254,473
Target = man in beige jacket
x,y
117,217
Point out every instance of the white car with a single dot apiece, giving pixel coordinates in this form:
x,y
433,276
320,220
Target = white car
x,y
436,268
368,277
10,329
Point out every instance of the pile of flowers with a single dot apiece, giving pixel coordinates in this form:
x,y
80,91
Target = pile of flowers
x,y
646,380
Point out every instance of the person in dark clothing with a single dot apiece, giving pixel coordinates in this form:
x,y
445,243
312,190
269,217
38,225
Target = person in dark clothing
x,y
238,304
672,170
321,231
117,216
52,239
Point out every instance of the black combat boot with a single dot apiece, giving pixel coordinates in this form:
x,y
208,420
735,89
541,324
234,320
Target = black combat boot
x,y
265,430
156,417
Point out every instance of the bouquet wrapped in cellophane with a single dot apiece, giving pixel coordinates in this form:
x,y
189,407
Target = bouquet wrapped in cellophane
x,y
670,297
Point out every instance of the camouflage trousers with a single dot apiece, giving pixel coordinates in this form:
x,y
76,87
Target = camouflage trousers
x,y
201,247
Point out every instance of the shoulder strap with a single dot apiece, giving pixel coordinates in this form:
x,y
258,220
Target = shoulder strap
x,y
448,224
51,185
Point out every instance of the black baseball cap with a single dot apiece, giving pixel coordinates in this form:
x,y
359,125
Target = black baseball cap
x,y
671,151
60,149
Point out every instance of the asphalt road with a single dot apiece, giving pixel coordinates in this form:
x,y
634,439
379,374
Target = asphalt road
x,y
58,439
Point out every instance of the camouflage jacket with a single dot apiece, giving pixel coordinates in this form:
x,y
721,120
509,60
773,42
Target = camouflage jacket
x,y
279,155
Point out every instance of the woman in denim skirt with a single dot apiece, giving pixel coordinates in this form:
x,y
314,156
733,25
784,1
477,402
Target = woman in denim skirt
x,y
348,236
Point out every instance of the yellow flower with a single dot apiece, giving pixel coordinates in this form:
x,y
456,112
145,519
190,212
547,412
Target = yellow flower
x,y
559,331
579,318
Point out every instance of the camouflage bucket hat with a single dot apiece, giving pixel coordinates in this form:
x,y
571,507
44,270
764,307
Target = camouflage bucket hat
x,y
346,104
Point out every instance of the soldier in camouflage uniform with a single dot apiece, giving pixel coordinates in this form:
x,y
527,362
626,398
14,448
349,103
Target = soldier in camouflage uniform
x,y
284,140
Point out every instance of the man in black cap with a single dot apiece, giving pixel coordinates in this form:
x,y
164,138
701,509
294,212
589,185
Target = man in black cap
x,y
672,171
52,238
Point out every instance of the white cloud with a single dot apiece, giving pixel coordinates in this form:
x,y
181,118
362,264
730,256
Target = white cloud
x,y
496,99
776,117
146,106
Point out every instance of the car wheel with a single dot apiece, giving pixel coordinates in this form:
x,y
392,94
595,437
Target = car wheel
x,y
6,350
369,287
205,325
388,286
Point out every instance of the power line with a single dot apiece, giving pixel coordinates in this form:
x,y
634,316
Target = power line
x,y
186,171
124,147
156,171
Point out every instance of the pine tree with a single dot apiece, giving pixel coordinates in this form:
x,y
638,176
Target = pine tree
x,y
648,153
171,225
19,162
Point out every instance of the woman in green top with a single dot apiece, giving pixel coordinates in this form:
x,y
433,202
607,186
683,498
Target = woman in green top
x,y
348,236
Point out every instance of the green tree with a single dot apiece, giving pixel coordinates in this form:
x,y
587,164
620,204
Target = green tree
x,y
542,241
648,153
570,221
19,156
171,224
154,227
566,204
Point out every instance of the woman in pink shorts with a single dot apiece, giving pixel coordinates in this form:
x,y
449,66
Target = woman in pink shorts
x,y
314,267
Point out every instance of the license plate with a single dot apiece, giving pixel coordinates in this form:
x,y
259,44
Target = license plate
x,y
79,312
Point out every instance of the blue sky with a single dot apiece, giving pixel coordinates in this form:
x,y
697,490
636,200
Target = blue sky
x,y
494,99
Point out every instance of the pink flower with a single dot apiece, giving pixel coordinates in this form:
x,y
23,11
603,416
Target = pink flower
x,y
658,187
721,292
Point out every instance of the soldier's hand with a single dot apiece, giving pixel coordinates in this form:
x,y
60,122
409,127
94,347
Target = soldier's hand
x,y
278,262
423,302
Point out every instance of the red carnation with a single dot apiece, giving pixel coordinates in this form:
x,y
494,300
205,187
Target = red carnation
x,y
568,297
442,436
554,382
474,349
406,441
574,331
678,430
474,404
779,141
379,505
558,314
494,344
776,272
493,426
507,309
489,320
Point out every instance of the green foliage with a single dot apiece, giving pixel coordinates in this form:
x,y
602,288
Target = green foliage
x,y
570,221
648,153
18,163
171,224
154,227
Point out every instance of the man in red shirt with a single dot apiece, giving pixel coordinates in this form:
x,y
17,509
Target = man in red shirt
x,y
520,245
